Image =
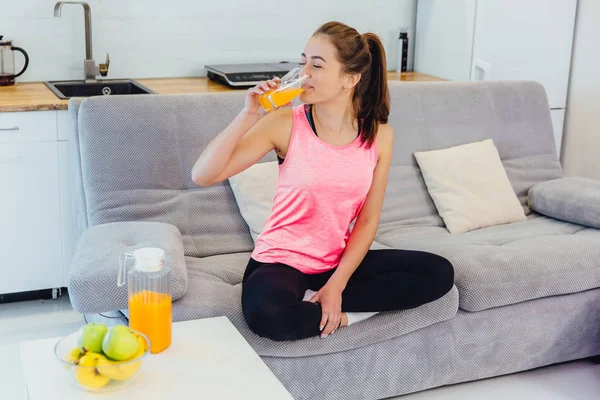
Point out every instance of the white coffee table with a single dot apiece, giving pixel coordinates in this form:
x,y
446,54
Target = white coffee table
x,y
208,359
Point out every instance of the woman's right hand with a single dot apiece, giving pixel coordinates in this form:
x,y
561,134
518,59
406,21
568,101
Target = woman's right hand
x,y
252,105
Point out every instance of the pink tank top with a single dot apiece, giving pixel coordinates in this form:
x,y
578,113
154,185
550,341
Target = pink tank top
x,y
320,191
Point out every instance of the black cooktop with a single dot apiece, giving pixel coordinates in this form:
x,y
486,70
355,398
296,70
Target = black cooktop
x,y
246,75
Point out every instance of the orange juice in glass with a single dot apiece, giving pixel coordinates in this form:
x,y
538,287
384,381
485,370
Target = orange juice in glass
x,y
149,288
289,88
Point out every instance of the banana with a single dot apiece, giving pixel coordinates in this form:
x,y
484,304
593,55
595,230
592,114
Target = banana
x,y
87,371
120,371
74,355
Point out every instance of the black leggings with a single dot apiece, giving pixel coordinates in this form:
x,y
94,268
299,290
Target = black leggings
x,y
385,280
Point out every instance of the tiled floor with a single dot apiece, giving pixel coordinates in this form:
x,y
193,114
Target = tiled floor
x,y
29,321
51,318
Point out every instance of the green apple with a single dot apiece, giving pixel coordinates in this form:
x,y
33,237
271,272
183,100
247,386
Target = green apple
x,y
91,337
119,343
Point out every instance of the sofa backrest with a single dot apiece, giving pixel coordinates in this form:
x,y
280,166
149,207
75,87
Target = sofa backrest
x,y
433,115
134,154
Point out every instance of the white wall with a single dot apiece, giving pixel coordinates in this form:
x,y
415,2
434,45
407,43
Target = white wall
x,y
152,38
581,150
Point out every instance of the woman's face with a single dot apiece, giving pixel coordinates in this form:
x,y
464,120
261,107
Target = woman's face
x,y
326,79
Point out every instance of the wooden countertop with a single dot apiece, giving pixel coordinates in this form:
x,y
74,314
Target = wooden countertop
x,y
35,96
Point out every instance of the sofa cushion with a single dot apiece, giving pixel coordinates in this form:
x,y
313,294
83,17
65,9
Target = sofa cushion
x,y
92,279
572,199
469,186
508,264
215,289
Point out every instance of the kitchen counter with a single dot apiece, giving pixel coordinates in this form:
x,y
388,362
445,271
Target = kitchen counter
x,y
35,96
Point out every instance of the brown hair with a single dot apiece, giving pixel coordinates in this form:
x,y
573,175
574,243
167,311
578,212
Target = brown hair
x,y
362,54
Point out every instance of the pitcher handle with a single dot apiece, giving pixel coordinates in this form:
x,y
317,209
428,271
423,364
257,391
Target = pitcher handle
x,y
122,277
15,48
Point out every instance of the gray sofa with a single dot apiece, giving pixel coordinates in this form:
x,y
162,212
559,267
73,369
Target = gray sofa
x,y
526,294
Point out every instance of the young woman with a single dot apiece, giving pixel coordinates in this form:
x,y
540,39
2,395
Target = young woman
x,y
309,274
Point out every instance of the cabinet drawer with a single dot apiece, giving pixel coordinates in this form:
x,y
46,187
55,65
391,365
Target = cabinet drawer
x,y
30,232
31,126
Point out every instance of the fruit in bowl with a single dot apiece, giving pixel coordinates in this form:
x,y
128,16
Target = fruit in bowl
x,y
120,343
90,337
102,359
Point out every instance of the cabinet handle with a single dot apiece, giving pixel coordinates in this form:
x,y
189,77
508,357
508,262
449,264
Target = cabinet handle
x,y
14,128
10,160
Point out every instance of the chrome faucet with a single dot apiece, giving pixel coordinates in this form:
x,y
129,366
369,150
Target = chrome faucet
x,y
89,65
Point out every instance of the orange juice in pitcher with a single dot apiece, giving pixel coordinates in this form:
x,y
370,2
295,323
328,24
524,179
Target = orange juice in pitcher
x,y
289,88
151,314
149,288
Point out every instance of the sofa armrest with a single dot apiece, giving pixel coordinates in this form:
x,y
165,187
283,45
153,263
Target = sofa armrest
x,y
92,280
572,199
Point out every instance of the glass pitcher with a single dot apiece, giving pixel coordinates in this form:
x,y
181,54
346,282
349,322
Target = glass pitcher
x,y
149,288
7,62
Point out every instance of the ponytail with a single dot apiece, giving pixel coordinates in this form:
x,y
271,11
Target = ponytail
x,y
372,99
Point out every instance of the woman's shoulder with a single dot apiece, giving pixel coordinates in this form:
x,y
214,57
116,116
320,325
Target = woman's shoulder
x,y
385,134
385,139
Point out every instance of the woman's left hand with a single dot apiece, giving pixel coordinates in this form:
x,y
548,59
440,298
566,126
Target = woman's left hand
x,y
330,298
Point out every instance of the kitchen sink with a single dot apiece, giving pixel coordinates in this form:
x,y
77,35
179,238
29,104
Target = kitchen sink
x,y
104,87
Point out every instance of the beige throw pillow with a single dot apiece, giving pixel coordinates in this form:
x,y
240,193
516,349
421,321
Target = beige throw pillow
x,y
469,186
254,191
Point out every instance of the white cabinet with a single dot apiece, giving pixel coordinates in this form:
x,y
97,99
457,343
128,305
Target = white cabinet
x,y
30,238
444,38
36,240
63,123
27,127
32,224
498,40
64,126
68,243
472,40
525,40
